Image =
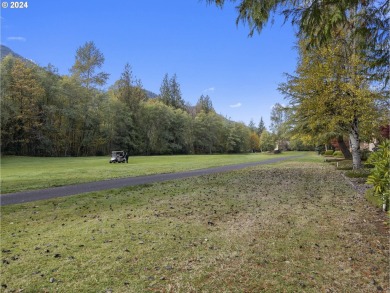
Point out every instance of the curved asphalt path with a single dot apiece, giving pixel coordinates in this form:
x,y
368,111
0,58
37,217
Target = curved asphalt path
x,y
34,195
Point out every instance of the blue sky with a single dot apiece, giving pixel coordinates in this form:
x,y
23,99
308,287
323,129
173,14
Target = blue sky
x,y
199,43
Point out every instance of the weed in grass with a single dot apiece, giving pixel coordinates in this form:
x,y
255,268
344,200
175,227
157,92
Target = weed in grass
x,y
291,227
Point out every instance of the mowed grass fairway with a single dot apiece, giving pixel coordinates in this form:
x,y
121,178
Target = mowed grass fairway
x,y
294,226
25,173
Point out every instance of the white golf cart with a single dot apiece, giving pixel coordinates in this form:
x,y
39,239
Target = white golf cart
x,y
118,157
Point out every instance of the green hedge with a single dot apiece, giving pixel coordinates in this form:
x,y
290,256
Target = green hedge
x,y
329,153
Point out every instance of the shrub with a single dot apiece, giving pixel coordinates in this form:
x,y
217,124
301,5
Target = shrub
x,y
369,166
379,176
360,173
277,151
329,153
338,154
320,149
364,154
344,165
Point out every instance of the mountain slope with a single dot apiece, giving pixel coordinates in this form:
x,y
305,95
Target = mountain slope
x,y
5,51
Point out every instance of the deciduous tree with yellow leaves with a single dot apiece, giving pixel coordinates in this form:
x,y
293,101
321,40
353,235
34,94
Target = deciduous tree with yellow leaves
x,y
331,94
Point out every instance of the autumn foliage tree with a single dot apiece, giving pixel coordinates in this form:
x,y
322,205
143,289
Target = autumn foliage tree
x,y
361,31
22,98
328,97
254,142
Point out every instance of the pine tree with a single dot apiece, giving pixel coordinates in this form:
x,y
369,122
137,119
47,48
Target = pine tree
x,y
252,126
170,93
165,90
176,98
130,90
204,104
261,127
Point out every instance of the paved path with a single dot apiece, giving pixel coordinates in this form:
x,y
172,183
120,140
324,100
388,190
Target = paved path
x,y
33,195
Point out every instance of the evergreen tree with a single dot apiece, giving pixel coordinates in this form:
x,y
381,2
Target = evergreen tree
x,y
170,93
165,91
176,98
261,127
204,104
252,126
129,90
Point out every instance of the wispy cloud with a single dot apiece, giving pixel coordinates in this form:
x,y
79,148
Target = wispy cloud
x,y
210,89
238,105
19,39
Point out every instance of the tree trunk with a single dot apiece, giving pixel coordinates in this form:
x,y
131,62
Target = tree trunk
x,y
343,147
355,144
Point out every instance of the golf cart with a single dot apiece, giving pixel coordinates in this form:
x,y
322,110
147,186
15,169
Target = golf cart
x,y
118,157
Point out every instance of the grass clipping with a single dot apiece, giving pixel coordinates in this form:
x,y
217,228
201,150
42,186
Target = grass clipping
x,y
291,227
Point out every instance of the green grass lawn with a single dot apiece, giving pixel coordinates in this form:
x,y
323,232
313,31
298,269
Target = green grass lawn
x,y
294,226
24,173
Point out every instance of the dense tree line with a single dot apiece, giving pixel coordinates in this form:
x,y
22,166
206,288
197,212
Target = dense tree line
x,y
44,113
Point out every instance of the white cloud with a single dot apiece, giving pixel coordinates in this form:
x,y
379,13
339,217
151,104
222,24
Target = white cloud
x,y
210,89
238,105
20,39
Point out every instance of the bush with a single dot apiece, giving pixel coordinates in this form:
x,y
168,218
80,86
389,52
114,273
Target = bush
x,y
369,166
364,154
277,151
360,173
379,176
344,165
320,149
338,154
329,153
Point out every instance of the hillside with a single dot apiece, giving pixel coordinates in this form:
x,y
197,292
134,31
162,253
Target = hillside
x,y
5,51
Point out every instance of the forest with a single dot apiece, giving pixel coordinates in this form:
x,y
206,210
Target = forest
x,y
339,91
44,113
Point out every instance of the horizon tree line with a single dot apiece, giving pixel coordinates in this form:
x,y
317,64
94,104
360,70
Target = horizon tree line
x,y
47,114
